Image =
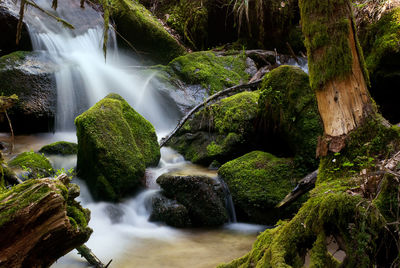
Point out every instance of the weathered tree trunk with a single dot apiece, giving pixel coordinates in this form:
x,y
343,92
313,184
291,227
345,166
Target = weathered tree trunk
x,y
40,222
337,69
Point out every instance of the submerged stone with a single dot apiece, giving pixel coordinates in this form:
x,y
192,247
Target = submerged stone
x,y
169,211
115,145
60,147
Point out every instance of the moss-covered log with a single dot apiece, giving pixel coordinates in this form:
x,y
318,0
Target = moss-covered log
x,y
39,222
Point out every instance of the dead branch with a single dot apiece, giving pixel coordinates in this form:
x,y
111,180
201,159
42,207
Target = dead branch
x,y
213,98
302,187
92,259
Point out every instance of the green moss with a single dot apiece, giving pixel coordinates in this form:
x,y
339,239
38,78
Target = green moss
x,y
13,58
115,144
221,131
333,210
210,71
36,164
60,147
136,24
289,115
77,215
190,20
326,27
258,181
382,39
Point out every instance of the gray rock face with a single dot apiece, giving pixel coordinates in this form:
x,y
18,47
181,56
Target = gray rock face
x,y
31,78
202,196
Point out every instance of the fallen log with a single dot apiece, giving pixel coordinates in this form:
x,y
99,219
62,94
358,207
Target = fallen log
x,y
39,222
226,93
302,187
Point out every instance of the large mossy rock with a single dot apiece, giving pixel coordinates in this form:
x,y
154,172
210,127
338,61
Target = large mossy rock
x,y
212,72
31,78
220,132
36,165
202,196
60,148
40,222
115,145
288,116
258,181
382,54
137,25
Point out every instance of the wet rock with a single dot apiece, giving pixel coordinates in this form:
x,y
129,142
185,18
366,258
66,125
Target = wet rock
x,y
8,29
60,148
169,211
115,145
202,196
31,78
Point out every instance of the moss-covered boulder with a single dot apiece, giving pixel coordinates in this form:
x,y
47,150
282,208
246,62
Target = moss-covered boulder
x,y
382,53
202,196
60,148
115,145
34,164
211,72
31,78
288,116
221,131
138,26
258,181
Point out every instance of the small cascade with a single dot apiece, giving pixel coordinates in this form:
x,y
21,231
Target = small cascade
x,y
83,76
230,207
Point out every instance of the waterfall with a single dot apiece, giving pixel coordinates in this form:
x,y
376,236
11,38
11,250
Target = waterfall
x,y
230,207
83,76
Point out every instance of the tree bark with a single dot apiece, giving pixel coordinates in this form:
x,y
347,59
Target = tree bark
x,y
36,224
337,70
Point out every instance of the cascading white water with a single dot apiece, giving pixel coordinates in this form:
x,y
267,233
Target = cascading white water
x,y
83,76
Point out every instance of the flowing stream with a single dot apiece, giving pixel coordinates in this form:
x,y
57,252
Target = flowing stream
x,y
122,231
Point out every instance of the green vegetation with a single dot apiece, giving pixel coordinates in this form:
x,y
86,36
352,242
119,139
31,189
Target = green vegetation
x,y
289,115
115,145
212,72
36,164
60,147
221,131
326,27
337,206
382,40
258,181
137,25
